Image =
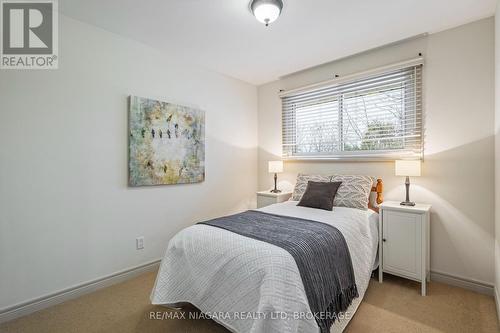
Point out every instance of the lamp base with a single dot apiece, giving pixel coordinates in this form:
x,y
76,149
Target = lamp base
x,y
275,191
407,202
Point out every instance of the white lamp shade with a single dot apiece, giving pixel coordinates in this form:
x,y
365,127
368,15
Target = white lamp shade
x,y
411,168
275,166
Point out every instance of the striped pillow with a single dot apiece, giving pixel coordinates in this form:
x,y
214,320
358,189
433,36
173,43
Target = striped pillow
x,y
354,192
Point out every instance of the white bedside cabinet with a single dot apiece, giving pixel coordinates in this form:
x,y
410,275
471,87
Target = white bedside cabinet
x,y
404,241
266,198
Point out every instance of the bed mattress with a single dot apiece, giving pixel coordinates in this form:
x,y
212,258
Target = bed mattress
x,y
252,286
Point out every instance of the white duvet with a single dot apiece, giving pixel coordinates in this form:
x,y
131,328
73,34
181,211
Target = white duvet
x,y
252,286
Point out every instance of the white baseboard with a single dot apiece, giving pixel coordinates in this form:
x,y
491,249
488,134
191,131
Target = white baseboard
x,y
458,281
25,308
497,302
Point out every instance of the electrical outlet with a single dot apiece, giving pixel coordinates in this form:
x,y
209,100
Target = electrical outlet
x,y
139,243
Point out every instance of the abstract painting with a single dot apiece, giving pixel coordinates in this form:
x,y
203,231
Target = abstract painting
x,y
166,143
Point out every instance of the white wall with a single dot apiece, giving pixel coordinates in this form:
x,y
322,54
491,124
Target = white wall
x,y
497,156
458,170
66,213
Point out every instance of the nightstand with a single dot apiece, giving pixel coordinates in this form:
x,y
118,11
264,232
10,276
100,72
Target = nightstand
x,y
404,241
266,198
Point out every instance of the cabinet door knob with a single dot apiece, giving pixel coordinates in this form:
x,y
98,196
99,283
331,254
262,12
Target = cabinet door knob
x,y
383,239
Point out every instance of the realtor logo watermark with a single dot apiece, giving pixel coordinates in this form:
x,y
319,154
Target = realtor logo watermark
x,y
29,34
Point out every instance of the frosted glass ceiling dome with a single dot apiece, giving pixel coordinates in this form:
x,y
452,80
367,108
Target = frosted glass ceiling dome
x,y
266,11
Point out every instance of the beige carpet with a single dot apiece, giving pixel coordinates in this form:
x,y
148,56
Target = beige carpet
x,y
394,306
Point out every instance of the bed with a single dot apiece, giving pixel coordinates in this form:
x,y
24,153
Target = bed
x,y
252,286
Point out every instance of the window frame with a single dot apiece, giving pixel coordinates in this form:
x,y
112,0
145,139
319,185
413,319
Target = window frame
x,y
408,151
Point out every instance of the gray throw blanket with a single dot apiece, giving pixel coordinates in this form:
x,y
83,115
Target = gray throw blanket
x,y
319,249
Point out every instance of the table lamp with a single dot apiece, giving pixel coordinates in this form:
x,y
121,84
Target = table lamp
x,y
407,168
275,167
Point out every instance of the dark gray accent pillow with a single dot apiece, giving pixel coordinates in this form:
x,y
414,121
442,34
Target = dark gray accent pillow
x,y
301,184
319,195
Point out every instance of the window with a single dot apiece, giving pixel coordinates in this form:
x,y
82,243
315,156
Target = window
x,y
377,116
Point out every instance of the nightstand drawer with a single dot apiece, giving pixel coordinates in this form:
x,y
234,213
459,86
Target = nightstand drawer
x,y
266,198
263,201
402,243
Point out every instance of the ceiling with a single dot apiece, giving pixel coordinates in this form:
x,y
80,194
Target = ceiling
x,y
222,35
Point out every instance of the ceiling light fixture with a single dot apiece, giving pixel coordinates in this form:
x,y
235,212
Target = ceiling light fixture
x,y
266,11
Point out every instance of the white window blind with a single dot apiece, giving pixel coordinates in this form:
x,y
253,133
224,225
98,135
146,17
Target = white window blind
x,y
376,116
